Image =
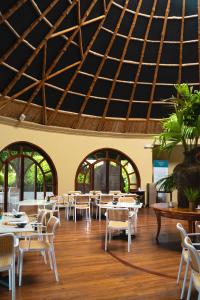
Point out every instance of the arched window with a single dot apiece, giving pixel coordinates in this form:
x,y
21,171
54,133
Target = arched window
x,y
26,172
107,169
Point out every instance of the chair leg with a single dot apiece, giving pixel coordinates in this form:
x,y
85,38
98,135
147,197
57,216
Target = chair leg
x,y
43,253
13,279
185,278
99,213
75,214
54,263
190,288
106,239
129,239
10,279
110,235
180,268
50,259
20,267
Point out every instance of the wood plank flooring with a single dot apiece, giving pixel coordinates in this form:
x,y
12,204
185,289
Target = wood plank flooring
x,y
87,272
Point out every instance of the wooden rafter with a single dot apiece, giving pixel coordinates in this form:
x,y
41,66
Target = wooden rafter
x,y
157,63
181,44
78,68
27,31
37,50
155,16
12,10
48,22
58,57
133,38
121,61
132,62
80,31
62,70
18,36
43,87
103,59
77,26
140,63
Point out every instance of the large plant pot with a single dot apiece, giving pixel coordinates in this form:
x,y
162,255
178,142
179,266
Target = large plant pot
x,y
187,174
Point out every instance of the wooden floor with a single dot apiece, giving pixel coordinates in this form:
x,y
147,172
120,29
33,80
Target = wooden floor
x,y
88,272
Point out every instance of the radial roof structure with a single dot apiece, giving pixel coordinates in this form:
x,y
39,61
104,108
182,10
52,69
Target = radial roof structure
x,y
100,65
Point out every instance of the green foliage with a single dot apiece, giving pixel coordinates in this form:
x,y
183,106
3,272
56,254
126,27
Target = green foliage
x,y
166,184
182,126
191,194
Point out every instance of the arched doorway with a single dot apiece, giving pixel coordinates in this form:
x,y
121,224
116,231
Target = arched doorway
x,y
26,172
107,169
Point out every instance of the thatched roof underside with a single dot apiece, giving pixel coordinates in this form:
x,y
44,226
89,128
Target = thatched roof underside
x,y
97,65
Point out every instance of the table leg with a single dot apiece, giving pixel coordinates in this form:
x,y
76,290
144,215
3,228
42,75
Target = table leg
x,y
191,226
158,217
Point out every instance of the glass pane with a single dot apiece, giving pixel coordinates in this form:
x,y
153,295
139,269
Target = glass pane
x,y
80,178
132,178
4,155
124,162
1,188
38,157
129,168
49,185
125,182
101,154
29,179
14,182
45,166
114,176
40,184
100,177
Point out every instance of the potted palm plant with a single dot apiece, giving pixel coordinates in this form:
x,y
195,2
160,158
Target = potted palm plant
x,y
192,196
183,127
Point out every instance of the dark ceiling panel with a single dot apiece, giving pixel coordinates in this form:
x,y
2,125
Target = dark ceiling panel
x,y
146,74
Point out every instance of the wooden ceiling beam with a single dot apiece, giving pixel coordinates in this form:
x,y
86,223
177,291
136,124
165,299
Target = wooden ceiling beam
x,y
181,44
80,31
121,61
62,70
27,31
103,59
139,68
44,108
77,26
12,10
58,57
48,22
157,63
37,50
52,117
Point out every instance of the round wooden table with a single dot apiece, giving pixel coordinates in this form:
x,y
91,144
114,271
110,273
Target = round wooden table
x,y
163,210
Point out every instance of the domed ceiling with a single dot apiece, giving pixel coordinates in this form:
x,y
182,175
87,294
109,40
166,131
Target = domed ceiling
x,y
96,65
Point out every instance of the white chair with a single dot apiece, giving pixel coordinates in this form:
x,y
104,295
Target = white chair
x,y
94,196
195,267
184,256
117,219
42,242
7,258
133,212
103,201
82,203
